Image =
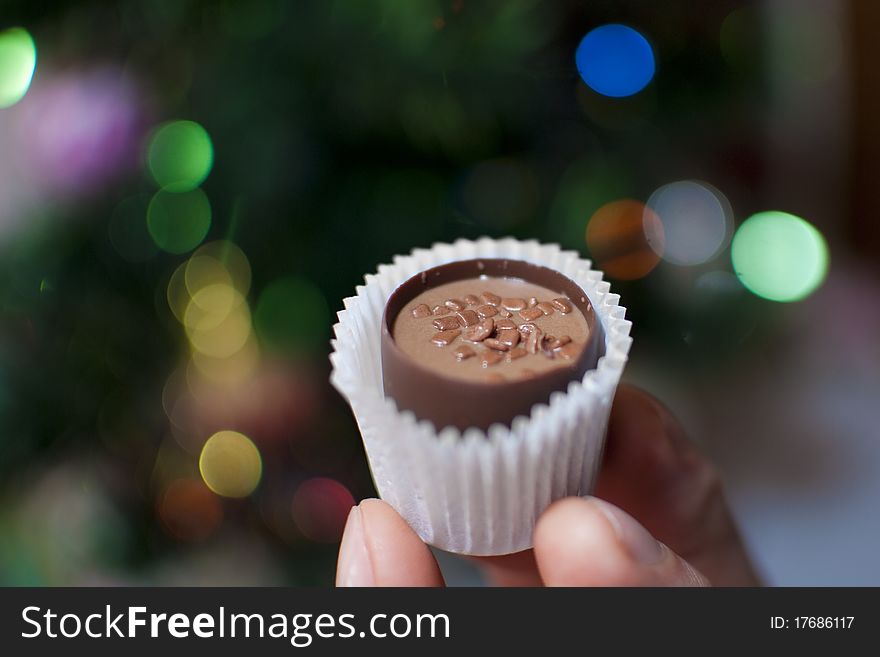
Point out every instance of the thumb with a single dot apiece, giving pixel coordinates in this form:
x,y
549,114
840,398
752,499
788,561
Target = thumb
x,y
589,542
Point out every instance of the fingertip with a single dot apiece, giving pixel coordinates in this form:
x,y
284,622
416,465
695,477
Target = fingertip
x,y
575,545
589,542
398,556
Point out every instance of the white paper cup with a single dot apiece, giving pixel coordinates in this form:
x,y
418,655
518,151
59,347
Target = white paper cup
x,y
478,492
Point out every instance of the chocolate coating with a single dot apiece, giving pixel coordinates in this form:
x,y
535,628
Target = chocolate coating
x,y
447,401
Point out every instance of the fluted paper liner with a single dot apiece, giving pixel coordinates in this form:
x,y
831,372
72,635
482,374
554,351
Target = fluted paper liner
x,y
478,492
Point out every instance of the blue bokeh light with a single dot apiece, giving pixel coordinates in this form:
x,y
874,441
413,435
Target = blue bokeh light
x,y
615,60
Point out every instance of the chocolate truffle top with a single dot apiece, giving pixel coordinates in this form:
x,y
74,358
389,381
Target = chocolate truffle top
x,y
471,343
491,329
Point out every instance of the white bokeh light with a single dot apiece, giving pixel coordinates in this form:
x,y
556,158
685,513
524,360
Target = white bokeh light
x,y
697,221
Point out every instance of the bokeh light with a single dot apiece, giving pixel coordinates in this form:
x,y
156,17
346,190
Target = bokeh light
x,y
807,47
779,256
229,371
210,305
615,60
180,155
221,261
80,130
696,219
18,58
625,238
179,222
292,316
217,321
189,510
320,508
230,464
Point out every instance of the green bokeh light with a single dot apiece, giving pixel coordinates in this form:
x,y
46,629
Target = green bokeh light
x,y
779,256
18,57
180,155
179,222
292,316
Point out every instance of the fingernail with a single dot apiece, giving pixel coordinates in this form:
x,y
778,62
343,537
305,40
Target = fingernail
x,y
354,567
641,546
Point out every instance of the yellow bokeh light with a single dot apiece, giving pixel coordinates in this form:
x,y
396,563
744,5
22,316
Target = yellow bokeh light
x,y
231,371
218,262
210,306
230,464
218,338
202,271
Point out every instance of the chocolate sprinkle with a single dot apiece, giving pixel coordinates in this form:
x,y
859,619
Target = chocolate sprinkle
x,y
479,332
513,304
421,311
491,299
455,304
531,314
510,337
486,310
467,317
463,352
495,344
445,337
446,324
562,305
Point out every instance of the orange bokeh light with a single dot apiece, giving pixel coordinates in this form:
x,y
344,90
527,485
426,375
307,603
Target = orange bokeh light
x,y
625,239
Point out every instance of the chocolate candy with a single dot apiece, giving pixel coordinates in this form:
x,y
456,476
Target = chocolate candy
x,y
498,315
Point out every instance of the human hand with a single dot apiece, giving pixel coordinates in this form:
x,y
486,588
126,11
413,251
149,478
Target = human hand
x,y
685,535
